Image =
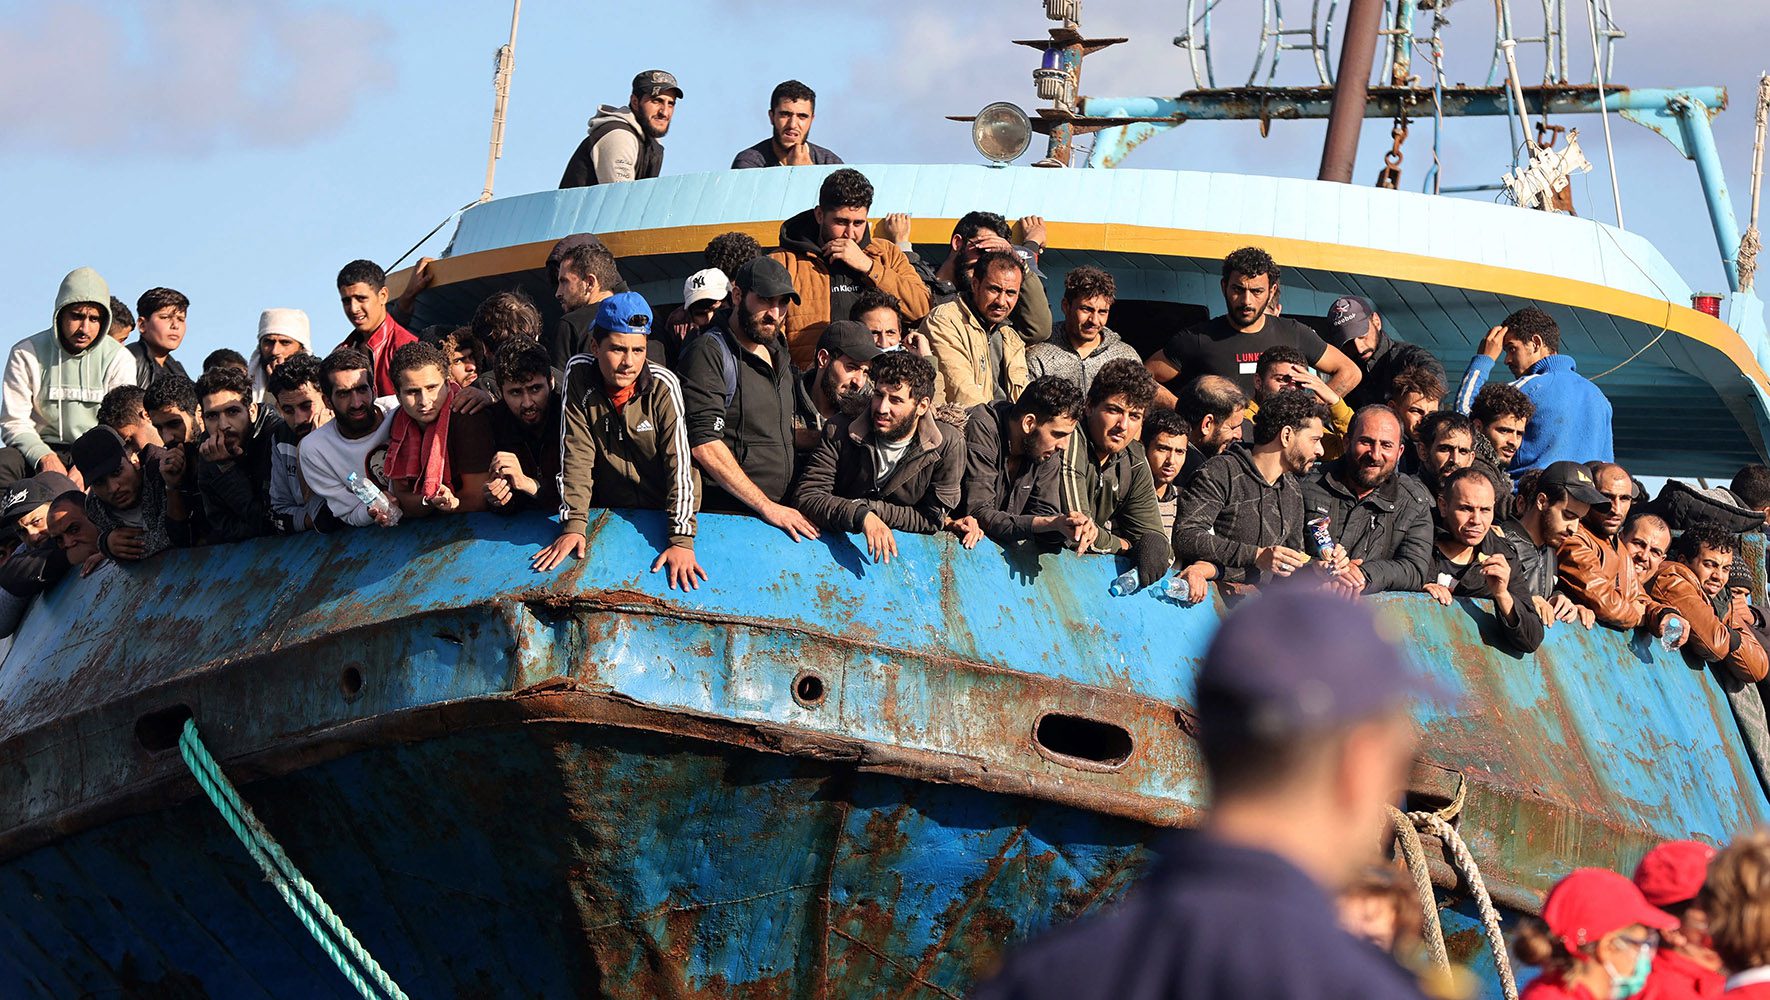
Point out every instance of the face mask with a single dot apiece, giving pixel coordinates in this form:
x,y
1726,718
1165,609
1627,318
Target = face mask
x,y
1623,987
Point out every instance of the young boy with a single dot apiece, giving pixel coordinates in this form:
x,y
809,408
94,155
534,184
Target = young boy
x,y
1165,445
132,500
436,459
162,312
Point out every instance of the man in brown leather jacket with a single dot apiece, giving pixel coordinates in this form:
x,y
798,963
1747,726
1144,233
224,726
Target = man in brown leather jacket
x,y
1596,574
1693,581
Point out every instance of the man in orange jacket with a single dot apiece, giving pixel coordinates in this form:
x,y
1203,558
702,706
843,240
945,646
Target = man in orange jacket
x,y
832,260
1693,582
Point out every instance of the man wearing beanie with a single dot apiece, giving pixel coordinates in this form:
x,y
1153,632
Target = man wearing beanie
x,y
1685,967
282,334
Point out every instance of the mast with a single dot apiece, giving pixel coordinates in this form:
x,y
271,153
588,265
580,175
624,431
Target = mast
x,y
1351,89
501,89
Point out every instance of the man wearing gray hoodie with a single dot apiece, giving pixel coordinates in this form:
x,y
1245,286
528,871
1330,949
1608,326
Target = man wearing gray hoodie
x,y
623,141
55,380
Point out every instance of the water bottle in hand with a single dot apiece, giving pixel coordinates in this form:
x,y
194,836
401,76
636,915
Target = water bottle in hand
x,y
1673,631
1126,583
373,498
1172,588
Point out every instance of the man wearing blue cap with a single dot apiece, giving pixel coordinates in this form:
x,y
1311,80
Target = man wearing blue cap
x,y
1306,738
624,441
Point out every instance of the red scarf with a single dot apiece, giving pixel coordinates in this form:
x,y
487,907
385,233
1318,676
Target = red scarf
x,y
415,452
387,338
619,398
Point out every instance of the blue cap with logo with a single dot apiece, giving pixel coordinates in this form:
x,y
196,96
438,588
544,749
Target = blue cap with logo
x,y
624,312
1297,660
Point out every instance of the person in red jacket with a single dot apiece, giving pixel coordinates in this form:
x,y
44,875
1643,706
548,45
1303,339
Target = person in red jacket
x,y
1736,896
362,291
1594,941
1686,966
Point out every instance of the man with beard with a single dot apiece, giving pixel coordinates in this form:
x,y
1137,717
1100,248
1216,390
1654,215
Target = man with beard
x,y
979,356
1360,333
1553,504
1447,443
1501,414
124,410
791,110
295,389
171,404
55,379
1282,368
72,530
1693,583
1083,343
587,276
836,387
625,443
233,460
1230,345
897,468
362,292
1013,468
737,385
1242,513
355,441
622,144
1571,420
1595,571
163,313
133,500
833,260
975,234
282,334
1469,560
1382,521
1105,473
1216,411
525,432
1645,538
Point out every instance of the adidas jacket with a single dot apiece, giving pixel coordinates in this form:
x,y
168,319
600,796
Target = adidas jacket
x,y
633,457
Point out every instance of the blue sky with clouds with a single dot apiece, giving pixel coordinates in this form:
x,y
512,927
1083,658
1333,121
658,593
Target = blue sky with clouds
x,y
243,152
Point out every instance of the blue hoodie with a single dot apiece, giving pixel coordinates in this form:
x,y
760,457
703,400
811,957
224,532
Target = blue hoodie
x,y
1572,419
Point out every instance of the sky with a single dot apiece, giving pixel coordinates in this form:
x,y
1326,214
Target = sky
x,y
242,153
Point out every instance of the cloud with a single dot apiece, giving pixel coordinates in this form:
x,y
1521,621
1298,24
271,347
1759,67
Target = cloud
x,y
184,75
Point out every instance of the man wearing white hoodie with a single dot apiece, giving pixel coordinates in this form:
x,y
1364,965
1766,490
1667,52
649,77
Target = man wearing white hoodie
x,y
55,380
623,141
282,334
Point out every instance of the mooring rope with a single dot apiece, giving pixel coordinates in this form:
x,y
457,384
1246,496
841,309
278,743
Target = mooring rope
x,y
1414,854
328,931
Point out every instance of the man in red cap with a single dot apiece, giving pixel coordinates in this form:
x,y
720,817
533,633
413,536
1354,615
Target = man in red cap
x,y
1686,966
1596,939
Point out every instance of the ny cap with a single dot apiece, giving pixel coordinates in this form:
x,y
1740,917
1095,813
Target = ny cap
x,y
1673,872
766,277
653,82
624,312
847,338
710,283
1351,316
1296,660
1576,479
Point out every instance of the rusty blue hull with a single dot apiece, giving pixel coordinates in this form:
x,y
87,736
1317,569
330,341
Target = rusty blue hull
x,y
814,777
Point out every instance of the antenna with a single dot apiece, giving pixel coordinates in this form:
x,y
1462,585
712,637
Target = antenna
x,y
501,89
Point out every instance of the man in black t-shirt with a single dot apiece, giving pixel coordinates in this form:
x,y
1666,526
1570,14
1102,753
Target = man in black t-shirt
x,y
1230,345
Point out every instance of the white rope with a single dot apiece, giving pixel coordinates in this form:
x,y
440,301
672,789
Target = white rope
x,y
1604,111
1749,244
1413,853
1464,862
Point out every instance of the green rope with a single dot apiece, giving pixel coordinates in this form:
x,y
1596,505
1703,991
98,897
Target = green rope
x,y
329,932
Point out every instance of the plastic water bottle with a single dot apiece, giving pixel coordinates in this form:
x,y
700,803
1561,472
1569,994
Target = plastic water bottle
x,y
1125,584
372,498
1674,630
1172,588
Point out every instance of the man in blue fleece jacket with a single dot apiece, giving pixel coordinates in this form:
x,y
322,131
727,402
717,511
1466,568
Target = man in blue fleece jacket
x,y
1572,419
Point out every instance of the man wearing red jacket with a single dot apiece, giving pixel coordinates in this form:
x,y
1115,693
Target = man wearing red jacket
x,y
362,291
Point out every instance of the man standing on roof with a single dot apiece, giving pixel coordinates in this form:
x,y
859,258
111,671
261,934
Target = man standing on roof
x,y
832,260
56,379
1306,739
1572,419
623,141
791,109
1230,345
1379,356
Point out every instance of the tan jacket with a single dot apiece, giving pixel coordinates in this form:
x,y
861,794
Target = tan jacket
x,y
1598,576
1711,639
961,355
891,273
636,456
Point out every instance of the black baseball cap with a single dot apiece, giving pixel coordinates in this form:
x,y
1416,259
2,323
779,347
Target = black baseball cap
x,y
1576,479
653,82
766,277
847,338
27,495
1351,316
98,453
1297,660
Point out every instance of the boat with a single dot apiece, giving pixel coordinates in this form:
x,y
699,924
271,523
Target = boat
x,y
817,776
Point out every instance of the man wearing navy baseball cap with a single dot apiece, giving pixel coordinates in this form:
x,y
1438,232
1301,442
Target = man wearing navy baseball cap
x,y
1360,334
1304,730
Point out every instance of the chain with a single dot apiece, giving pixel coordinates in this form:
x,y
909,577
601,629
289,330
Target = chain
x,y
1390,175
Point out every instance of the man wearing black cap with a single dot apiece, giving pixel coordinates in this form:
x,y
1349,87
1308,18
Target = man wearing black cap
x,y
133,500
836,388
738,389
1554,502
1306,739
623,141
38,561
1358,328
